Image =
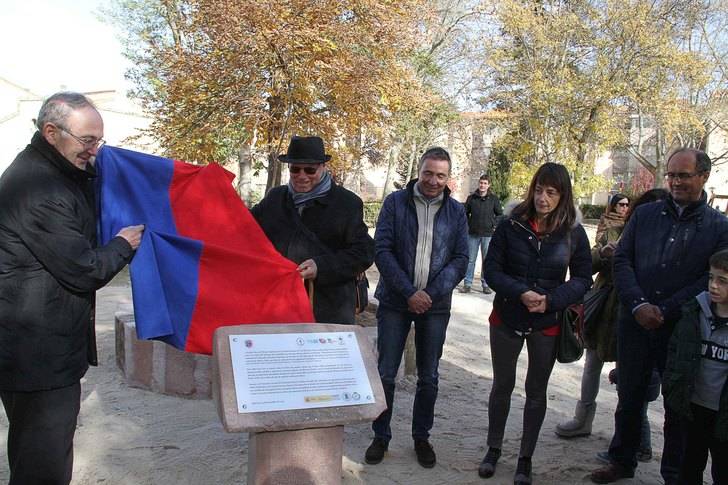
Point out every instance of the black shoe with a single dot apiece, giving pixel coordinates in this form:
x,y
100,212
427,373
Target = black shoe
x,y
523,471
487,290
375,452
464,289
425,453
487,466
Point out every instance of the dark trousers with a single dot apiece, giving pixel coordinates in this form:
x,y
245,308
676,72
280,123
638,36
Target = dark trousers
x,y
639,351
40,434
505,347
430,329
699,440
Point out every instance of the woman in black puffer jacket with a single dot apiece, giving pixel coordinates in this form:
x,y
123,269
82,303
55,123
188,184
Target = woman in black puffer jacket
x,y
526,265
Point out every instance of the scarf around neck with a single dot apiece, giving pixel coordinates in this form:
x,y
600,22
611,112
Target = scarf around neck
x,y
302,199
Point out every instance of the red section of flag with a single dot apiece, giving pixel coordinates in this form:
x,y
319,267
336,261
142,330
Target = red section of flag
x,y
242,278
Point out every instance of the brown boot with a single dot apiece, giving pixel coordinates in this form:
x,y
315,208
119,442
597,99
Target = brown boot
x,y
611,473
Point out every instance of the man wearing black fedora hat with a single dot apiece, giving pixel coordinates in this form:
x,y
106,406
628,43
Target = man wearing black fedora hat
x,y
319,225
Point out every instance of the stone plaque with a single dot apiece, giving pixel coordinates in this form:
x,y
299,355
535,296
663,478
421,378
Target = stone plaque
x,y
224,384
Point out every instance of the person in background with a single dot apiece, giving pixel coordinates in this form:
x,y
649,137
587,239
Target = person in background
x,y
600,337
526,265
482,208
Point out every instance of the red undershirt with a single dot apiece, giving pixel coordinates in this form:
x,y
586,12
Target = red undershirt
x,y
495,319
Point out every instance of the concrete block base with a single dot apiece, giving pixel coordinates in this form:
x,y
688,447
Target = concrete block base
x,y
158,367
299,457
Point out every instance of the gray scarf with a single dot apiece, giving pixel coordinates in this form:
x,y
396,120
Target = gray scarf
x,y
302,199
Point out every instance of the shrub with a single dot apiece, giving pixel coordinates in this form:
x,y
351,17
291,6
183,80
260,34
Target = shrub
x,y
592,211
371,212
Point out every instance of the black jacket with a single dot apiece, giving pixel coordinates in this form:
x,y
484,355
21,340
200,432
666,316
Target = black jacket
x,y
331,232
483,213
517,262
662,257
50,269
684,353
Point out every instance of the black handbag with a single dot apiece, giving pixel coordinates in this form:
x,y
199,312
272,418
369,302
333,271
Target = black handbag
x,y
361,284
570,346
594,301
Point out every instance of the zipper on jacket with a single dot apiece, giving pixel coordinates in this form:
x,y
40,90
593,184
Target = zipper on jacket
x,y
538,241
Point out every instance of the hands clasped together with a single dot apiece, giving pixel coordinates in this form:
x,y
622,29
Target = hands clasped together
x,y
535,302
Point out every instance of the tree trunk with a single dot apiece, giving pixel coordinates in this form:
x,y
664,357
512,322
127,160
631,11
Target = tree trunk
x,y
392,168
274,169
275,136
659,159
245,171
412,161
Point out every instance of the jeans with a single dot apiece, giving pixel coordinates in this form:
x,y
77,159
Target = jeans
x,y
430,329
505,347
639,351
475,243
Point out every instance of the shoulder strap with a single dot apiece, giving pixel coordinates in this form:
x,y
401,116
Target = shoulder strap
x,y
308,232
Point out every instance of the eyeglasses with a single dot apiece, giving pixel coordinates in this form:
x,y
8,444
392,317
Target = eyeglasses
x,y
86,141
306,170
680,175
623,204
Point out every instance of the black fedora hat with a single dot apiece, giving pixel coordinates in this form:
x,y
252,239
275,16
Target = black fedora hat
x,y
305,149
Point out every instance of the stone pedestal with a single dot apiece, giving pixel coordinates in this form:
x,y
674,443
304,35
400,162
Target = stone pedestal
x,y
312,457
158,367
299,446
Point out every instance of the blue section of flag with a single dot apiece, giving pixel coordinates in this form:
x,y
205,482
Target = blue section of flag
x,y
133,189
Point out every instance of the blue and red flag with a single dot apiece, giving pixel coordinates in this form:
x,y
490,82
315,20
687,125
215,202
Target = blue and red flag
x,y
203,262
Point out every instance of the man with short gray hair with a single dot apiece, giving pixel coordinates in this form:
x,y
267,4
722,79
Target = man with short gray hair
x,y
421,251
661,262
50,269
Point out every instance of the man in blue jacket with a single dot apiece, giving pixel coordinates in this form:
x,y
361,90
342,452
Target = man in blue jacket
x,y
661,262
421,251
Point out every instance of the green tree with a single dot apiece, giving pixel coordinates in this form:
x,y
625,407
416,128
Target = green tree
x,y
570,71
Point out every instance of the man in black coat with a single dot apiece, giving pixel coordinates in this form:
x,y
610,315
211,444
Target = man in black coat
x,y
50,269
320,225
661,262
482,208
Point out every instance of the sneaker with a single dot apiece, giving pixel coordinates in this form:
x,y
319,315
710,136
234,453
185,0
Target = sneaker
x,y
611,473
464,289
375,452
487,466
604,457
523,471
487,290
425,453
644,455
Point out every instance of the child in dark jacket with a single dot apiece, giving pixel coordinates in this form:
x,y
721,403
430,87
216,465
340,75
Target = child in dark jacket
x,y
695,379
